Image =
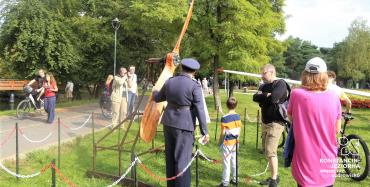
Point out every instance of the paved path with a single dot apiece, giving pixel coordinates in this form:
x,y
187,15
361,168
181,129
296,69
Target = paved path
x,y
75,121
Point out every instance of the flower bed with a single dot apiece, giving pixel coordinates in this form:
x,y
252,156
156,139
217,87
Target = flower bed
x,y
357,103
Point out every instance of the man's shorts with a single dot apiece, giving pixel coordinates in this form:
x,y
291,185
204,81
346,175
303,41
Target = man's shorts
x,y
271,134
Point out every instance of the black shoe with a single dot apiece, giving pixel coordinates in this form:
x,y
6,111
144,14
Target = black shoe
x,y
233,182
273,183
222,185
267,181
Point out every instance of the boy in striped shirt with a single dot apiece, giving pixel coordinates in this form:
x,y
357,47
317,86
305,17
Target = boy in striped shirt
x,y
230,130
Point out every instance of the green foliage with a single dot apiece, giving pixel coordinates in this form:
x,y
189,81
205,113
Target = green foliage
x,y
32,38
240,32
296,56
353,54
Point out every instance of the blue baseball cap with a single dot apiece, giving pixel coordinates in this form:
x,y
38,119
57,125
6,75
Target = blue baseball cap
x,y
190,63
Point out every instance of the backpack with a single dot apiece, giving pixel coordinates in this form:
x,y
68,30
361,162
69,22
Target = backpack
x,y
283,105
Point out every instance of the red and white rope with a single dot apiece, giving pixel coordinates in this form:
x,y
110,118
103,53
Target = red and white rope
x,y
128,170
35,141
84,124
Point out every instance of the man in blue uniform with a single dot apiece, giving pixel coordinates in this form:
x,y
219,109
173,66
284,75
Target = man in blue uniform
x,y
184,97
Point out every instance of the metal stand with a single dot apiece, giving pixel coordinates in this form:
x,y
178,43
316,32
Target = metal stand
x,y
123,144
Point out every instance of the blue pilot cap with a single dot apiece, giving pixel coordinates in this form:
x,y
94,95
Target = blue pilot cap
x,y
190,63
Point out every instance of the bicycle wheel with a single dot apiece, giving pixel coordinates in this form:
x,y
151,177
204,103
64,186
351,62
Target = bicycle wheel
x,y
106,107
355,157
23,108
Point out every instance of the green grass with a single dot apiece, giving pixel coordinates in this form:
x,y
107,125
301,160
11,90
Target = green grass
x,y
76,156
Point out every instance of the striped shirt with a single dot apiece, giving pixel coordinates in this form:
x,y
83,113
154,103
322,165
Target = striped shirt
x,y
230,123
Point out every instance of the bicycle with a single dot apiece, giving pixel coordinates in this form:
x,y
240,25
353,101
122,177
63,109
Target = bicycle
x,y
29,103
106,105
353,152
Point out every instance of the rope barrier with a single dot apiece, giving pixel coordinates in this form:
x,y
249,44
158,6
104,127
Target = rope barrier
x,y
77,128
128,170
65,179
259,174
107,126
251,121
36,141
214,160
7,138
25,176
84,124
171,178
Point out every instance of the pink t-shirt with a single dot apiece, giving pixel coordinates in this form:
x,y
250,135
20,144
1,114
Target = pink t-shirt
x,y
314,122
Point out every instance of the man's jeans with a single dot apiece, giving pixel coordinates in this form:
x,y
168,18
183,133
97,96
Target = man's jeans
x,y
131,102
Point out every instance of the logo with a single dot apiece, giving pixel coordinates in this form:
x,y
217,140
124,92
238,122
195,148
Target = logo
x,y
345,144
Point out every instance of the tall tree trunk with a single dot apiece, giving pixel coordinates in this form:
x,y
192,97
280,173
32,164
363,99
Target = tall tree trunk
x,y
216,63
216,92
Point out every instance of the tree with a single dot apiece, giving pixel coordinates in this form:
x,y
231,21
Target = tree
x,y
235,35
353,54
297,54
32,38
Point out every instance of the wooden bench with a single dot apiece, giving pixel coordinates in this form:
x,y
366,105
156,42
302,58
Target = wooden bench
x,y
12,85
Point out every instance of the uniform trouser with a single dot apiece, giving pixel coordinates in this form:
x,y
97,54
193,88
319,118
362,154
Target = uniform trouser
x,y
131,102
119,111
179,147
50,108
229,162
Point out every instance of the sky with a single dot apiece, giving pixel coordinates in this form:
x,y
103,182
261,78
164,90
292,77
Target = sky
x,y
323,22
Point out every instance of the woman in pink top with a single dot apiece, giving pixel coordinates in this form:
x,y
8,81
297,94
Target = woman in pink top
x,y
316,116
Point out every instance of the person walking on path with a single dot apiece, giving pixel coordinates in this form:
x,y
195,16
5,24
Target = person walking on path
x,y
205,85
69,90
132,89
268,97
184,98
119,97
50,88
316,116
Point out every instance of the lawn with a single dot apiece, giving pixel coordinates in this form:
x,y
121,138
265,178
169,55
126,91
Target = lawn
x,y
76,157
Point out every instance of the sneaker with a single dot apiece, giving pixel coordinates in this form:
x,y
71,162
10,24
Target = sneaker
x,y
267,181
273,183
222,185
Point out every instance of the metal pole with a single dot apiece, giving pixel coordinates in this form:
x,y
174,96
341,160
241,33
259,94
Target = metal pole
x,y
245,124
53,181
236,158
225,83
115,51
228,85
258,121
16,150
216,122
196,168
58,142
119,158
152,142
133,169
93,139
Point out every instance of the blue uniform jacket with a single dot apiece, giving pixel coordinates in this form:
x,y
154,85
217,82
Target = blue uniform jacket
x,y
184,97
